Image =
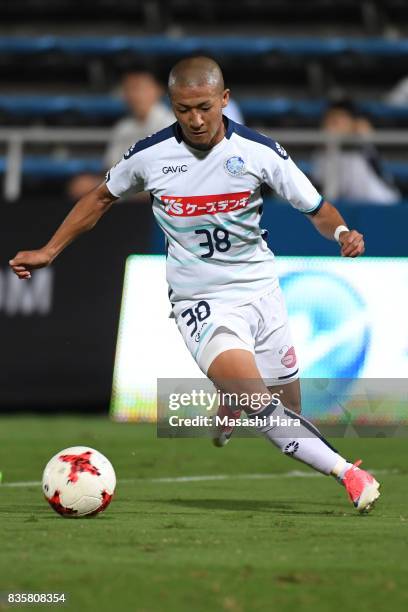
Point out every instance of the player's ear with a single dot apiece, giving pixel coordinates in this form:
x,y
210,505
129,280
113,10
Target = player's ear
x,y
225,97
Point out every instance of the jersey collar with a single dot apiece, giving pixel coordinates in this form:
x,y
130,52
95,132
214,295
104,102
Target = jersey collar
x,y
229,127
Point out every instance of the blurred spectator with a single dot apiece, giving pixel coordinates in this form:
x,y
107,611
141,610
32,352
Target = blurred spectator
x,y
148,113
232,111
82,184
354,172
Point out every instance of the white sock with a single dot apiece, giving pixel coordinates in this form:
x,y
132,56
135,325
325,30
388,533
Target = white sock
x,y
341,468
301,441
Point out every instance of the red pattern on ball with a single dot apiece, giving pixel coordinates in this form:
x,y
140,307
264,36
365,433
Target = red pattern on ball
x,y
79,463
106,500
55,502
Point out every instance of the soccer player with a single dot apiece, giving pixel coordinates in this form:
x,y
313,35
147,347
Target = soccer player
x,y
204,174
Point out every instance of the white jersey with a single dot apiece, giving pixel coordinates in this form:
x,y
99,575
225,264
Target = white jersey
x,y
209,205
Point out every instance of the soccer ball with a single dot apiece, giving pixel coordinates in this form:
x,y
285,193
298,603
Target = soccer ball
x,y
78,481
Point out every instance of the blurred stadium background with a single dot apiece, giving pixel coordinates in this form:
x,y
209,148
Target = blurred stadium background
x,y
287,63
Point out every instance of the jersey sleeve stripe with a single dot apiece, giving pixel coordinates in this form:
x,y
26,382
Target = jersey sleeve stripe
x,y
316,208
109,188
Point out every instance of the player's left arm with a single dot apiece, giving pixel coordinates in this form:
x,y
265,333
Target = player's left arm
x,y
280,172
327,219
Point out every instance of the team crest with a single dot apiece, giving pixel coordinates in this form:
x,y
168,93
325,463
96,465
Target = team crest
x,y
235,166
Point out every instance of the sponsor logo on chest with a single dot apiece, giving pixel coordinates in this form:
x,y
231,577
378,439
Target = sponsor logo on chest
x,y
193,206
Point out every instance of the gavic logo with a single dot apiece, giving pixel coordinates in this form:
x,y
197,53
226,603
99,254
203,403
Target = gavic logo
x,y
174,169
193,206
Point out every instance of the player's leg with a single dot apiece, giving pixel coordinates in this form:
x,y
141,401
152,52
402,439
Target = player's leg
x,y
277,362
222,339
235,371
227,356
275,354
232,330
290,397
289,394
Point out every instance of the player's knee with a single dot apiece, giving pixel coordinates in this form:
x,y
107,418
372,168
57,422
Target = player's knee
x,y
228,356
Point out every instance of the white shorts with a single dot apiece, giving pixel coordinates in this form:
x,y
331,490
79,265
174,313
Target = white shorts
x,y
261,327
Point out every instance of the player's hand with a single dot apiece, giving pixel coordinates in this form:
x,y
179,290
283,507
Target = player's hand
x,y
352,244
25,261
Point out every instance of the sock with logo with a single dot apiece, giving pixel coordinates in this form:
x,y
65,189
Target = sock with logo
x,y
296,437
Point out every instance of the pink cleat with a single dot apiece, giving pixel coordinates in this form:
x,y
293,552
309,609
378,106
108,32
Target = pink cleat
x,y
223,431
361,487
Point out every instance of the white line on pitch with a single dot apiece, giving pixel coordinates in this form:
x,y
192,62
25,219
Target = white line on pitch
x,y
207,478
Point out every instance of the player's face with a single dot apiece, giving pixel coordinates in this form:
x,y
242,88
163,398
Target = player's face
x,y
199,113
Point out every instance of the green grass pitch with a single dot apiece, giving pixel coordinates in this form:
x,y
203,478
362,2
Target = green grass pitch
x,y
240,544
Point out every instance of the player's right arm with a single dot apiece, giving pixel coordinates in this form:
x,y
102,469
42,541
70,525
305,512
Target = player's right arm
x,y
82,218
125,176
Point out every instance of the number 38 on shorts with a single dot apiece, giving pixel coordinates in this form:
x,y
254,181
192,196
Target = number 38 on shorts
x,y
194,318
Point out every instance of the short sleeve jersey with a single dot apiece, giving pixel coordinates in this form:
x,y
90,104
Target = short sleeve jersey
x,y
209,205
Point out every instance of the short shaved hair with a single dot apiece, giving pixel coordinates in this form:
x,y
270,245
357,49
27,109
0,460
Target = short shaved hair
x,y
196,72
